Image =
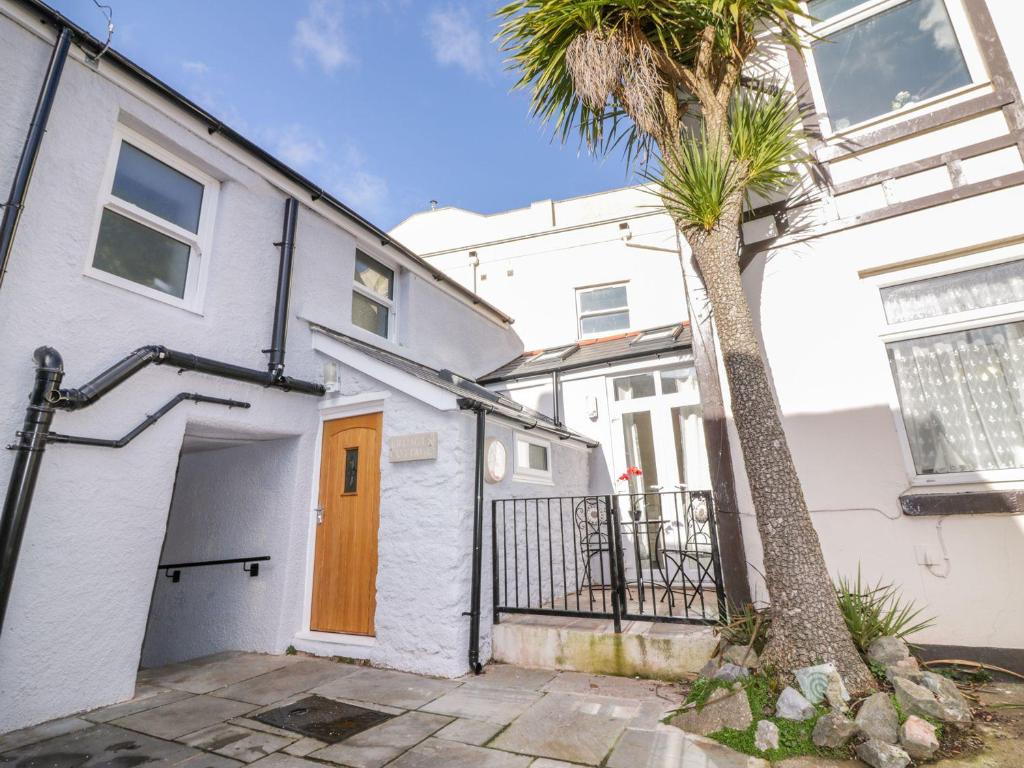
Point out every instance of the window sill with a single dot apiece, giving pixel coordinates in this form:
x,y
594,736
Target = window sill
x,y
986,502
533,480
127,285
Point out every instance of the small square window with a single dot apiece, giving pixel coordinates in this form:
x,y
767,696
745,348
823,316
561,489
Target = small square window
x,y
154,223
604,309
632,387
532,459
373,296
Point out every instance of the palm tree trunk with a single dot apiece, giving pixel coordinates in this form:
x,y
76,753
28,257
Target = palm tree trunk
x,y
807,627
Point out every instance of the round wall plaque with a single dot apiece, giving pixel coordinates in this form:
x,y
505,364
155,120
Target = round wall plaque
x,y
495,460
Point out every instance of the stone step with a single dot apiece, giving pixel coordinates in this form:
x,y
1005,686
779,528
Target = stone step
x,y
643,649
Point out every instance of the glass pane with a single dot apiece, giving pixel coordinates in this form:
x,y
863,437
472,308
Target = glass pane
x,y
130,250
615,321
632,387
156,187
375,276
899,57
609,297
351,469
538,457
947,294
826,9
370,315
677,380
691,450
962,398
639,438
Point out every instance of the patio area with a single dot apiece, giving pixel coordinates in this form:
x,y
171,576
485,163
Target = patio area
x,y
207,714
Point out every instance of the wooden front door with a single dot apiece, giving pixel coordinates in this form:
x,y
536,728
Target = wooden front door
x,y
345,563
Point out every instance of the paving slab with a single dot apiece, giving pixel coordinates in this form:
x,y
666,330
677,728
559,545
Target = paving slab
x,y
543,762
286,681
475,732
671,748
393,689
204,760
381,744
494,705
236,742
438,753
151,699
99,746
281,760
616,687
41,732
304,746
579,729
174,720
210,673
509,676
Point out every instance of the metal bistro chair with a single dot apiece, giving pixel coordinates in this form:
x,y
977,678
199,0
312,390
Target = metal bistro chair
x,y
590,517
694,550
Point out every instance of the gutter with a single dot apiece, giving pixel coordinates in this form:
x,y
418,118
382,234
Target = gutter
x,y
214,126
607,362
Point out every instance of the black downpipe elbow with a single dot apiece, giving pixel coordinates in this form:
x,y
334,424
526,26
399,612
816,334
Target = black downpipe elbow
x,y
87,394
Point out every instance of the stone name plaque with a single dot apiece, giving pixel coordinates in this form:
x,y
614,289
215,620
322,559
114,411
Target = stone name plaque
x,y
421,446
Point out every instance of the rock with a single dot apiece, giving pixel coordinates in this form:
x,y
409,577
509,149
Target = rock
x,y
877,719
792,706
878,754
888,650
833,730
954,706
908,668
730,672
709,669
815,683
723,709
740,656
767,736
917,737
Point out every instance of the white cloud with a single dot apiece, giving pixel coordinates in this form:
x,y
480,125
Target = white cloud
x,y
197,68
296,146
456,41
364,192
319,35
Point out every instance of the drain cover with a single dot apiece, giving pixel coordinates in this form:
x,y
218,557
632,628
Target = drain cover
x,y
323,719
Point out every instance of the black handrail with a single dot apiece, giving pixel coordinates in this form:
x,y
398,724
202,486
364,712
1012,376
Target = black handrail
x,y
173,570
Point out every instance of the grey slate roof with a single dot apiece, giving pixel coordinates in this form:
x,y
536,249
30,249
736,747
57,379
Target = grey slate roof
x,y
461,386
670,339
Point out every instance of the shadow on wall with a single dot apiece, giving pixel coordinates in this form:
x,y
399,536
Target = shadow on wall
x,y
954,566
231,499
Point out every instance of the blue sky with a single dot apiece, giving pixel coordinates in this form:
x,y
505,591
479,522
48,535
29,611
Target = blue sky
x,y
386,103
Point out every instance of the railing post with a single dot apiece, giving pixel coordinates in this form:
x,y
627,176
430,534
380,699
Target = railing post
x,y
613,565
620,562
494,559
716,559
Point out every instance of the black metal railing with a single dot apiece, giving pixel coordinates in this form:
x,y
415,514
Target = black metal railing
x,y
638,556
250,565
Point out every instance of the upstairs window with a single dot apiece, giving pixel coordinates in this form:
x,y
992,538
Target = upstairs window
x,y
373,296
154,224
602,310
876,57
955,344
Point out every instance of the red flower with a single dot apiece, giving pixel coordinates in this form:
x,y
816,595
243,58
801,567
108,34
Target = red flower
x,y
623,476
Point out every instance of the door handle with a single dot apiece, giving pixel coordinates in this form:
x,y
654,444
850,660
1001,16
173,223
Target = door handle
x,y
319,515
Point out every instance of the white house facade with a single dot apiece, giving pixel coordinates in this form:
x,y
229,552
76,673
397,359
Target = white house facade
x,y
336,475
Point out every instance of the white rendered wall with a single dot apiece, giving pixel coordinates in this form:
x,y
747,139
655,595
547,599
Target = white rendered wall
x,y
77,614
533,260
227,503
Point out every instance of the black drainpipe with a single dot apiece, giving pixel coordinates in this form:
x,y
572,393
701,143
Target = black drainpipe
x,y
29,153
284,279
30,446
478,533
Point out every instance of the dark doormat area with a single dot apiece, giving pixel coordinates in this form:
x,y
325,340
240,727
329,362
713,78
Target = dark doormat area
x,y
323,719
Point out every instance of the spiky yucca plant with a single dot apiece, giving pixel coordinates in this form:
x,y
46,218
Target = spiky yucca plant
x,y
665,78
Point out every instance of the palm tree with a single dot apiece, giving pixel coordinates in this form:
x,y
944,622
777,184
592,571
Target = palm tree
x,y
668,78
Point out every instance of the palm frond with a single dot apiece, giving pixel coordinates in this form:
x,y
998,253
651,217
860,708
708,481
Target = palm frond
x,y
696,180
766,140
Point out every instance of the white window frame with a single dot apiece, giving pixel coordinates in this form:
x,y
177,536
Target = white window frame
x,y
199,242
580,314
931,326
527,474
390,304
961,28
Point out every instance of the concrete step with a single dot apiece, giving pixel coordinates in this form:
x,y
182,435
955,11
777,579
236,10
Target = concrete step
x,y
643,649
